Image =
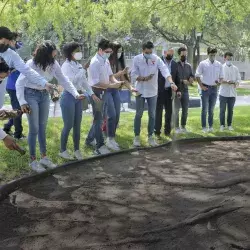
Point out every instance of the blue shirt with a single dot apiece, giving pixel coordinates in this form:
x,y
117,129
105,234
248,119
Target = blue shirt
x,y
15,61
11,81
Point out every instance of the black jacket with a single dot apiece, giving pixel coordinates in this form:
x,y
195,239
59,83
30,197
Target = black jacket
x,y
174,74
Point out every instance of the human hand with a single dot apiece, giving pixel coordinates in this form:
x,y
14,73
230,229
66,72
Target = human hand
x,y
95,98
178,94
174,87
49,87
80,97
10,143
26,109
204,88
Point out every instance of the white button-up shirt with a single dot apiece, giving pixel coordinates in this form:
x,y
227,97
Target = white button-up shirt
x,y
99,71
15,61
231,73
77,75
52,71
209,72
144,68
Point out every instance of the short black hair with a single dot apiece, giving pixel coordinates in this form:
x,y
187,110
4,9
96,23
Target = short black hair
x,y
181,49
5,33
211,50
104,44
147,45
69,48
4,68
228,54
15,35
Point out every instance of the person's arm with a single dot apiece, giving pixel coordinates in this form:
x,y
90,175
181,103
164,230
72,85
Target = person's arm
x,y
221,76
198,75
64,81
20,85
238,77
15,61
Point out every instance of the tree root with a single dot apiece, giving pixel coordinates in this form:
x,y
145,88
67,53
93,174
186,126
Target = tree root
x,y
214,185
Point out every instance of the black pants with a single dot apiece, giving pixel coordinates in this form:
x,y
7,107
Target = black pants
x,y
163,100
226,102
17,122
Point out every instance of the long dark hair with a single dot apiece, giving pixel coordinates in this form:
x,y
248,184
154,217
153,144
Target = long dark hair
x,y
43,55
115,62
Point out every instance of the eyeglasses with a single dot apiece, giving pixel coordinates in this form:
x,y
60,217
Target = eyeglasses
x,y
108,51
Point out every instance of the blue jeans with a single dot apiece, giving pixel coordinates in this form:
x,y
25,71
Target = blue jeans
x,y
208,101
96,128
17,122
39,104
140,101
113,103
182,103
226,102
72,118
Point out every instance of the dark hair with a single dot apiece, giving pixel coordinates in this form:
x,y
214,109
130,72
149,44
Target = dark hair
x,y
211,50
148,45
43,55
115,62
69,48
181,49
5,33
104,44
4,68
228,54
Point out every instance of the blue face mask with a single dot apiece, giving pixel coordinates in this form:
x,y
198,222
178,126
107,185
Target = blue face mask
x,y
106,56
148,56
19,44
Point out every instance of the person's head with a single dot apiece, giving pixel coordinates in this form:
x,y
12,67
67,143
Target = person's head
x,y
182,52
147,49
228,57
169,54
44,55
5,38
211,53
72,51
105,48
4,70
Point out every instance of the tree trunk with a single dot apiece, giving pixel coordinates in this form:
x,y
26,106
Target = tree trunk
x,y
190,57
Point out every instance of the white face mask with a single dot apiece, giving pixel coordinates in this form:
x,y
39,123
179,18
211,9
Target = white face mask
x,y
229,63
119,55
77,56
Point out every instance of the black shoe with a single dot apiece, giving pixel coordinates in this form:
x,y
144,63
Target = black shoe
x,y
167,133
22,137
8,131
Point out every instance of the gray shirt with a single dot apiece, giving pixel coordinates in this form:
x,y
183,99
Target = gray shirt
x,y
185,72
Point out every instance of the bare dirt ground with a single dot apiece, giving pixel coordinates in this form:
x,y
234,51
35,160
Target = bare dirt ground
x,y
154,199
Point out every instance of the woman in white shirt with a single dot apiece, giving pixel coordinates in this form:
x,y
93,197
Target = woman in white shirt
x,y
72,108
36,99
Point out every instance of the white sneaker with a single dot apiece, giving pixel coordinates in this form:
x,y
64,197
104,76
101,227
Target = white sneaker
x,y
65,155
47,163
35,166
222,128
204,130
78,155
103,150
230,128
111,144
210,129
152,142
178,131
137,142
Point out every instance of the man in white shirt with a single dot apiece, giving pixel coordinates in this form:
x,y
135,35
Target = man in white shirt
x,y
100,77
145,73
209,74
227,91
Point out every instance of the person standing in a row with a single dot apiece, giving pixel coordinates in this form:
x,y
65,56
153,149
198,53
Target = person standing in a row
x,y
164,98
71,107
100,78
145,73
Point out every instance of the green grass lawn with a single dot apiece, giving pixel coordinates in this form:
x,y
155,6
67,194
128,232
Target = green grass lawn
x,y
12,165
193,91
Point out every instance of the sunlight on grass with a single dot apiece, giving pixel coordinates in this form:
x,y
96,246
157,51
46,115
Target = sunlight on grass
x,y
13,165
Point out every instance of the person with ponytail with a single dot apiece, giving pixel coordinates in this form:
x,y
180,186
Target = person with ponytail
x,y
35,101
